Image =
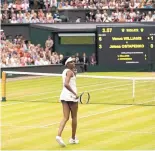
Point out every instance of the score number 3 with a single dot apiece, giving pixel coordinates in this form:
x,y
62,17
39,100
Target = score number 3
x,y
106,30
100,46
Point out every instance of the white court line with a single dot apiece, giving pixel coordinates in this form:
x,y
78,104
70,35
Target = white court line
x,y
31,101
77,87
53,91
59,96
119,131
11,103
79,92
87,129
47,125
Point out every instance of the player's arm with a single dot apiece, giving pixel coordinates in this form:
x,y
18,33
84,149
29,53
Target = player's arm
x,y
67,80
75,71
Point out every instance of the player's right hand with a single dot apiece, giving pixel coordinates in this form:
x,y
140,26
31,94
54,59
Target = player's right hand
x,y
76,96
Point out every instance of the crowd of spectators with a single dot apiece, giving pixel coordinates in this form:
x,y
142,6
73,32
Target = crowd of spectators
x,y
19,52
74,4
120,16
106,4
30,17
16,51
39,11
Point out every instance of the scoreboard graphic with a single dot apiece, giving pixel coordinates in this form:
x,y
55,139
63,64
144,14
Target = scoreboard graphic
x,y
126,46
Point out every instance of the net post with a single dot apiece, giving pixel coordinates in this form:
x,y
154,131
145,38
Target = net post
x,y
3,86
133,89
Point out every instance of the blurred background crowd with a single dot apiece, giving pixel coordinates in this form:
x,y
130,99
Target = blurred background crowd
x,y
17,51
39,11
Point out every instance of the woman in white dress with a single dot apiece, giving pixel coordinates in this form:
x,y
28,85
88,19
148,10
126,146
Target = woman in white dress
x,y
69,100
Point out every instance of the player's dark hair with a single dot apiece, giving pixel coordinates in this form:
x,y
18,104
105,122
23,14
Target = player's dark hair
x,y
64,60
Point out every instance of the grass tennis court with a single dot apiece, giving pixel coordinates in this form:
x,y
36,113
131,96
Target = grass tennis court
x,y
31,115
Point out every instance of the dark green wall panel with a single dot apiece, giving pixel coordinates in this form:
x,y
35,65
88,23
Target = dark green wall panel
x,y
39,36
72,49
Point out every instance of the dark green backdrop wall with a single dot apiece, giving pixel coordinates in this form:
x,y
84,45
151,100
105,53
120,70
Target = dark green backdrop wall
x,y
72,49
40,36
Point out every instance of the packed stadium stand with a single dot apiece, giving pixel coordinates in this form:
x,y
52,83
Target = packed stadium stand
x,y
17,51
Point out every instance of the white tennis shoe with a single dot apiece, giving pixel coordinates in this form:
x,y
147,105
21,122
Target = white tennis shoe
x,y
73,141
60,141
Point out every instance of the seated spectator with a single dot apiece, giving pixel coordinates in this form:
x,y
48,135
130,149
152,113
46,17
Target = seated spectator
x,y
25,5
98,16
5,20
112,5
128,18
106,18
149,17
86,6
41,13
72,4
99,5
67,6
53,3
60,6
55,58
48,14
132,13
137,4
79,5
122,18
92,6
19,14
27,18
34,19
3,63
56,16
47,4
148,4
13,20
114,18
50,20
61,57
17,5
20,19
5,5
32,13
143,18
92,16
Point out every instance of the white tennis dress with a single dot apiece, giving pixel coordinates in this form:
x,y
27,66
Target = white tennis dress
x,y
66,95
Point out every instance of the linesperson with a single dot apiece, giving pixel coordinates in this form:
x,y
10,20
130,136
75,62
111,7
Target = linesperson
x,y
69,100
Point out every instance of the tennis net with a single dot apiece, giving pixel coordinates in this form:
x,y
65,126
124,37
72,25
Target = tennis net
x,y
46,87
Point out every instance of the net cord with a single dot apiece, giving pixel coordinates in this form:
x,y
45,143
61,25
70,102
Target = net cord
x,y
80,76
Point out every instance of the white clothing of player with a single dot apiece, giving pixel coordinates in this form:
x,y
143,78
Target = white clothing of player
x,y
66,95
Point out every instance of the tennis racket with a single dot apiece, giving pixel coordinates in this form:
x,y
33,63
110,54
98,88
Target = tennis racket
x,y
84,98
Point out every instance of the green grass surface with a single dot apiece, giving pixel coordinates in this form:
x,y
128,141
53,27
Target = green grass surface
x,y
31,115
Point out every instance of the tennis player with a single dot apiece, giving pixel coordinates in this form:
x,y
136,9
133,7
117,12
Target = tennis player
x,y
69,100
